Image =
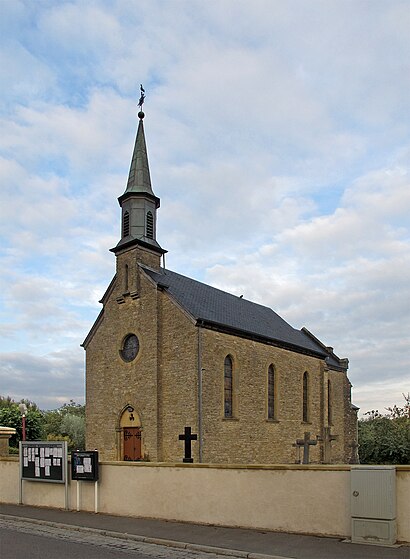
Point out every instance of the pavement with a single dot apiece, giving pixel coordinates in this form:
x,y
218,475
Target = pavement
x,y
237,542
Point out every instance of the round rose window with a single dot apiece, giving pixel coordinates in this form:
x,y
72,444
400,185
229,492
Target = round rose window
x,y
130,348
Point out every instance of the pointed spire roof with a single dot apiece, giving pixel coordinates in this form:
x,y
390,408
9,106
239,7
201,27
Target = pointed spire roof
x,y
139,179
138,202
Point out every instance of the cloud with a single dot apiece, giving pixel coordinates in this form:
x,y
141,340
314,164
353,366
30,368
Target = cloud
x,y
278,143
345,276
68,139
54,379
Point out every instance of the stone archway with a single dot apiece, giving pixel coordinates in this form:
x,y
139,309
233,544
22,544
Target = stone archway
x,y
130,435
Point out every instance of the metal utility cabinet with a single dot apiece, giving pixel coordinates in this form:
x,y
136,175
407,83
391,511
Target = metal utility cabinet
x,y
373,504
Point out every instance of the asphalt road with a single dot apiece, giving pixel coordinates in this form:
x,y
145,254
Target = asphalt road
x,y
40,533
23,540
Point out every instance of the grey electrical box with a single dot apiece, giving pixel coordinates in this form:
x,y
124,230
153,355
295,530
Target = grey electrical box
x,y
373,504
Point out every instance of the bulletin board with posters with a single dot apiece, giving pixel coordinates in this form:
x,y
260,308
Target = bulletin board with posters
x,y
84,465
43,461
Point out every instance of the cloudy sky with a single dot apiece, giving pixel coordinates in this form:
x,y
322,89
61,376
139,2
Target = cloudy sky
x,y
279,143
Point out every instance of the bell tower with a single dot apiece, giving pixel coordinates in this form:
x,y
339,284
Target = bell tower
x,y
139,205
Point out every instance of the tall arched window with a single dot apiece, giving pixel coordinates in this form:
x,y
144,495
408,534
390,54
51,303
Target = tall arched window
x,y
126,225
228,387
329,403
271,392
305,412
150,225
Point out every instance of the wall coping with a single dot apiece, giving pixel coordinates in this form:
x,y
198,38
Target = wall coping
x,y
7,431
302,467
308,467
297,467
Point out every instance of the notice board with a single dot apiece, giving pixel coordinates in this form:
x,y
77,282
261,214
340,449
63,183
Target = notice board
x,y
84,465
43,461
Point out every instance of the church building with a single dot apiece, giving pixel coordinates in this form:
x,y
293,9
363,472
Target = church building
x,y
168,352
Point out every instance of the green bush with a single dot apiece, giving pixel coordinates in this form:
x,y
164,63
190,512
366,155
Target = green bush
x,y
385,439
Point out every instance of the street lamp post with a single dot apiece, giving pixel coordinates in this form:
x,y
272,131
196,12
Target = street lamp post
x,y
23,411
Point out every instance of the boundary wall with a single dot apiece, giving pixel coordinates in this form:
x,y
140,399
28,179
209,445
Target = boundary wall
x,y
309,499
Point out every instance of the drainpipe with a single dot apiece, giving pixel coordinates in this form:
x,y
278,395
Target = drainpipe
x,y
200,370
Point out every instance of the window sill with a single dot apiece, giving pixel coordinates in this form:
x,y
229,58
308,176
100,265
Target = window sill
x,y
230,418
272,420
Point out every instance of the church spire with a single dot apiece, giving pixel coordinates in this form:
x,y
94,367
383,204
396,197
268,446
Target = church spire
x,y
139,179
138,202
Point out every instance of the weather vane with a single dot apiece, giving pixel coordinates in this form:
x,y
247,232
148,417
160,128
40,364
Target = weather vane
x,y
142,97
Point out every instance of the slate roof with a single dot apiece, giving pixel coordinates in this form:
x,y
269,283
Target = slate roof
x,y
216,308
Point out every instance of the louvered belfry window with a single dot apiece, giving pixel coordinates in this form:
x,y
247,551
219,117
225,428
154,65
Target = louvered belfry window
x,y
228,387
150,225
126,225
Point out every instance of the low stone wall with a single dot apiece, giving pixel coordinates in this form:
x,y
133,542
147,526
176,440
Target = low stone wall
x,y
301,499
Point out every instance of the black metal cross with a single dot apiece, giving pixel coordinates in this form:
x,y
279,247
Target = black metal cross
x,y
306,442
188,437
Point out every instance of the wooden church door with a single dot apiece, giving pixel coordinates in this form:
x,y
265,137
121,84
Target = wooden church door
x,y
132,443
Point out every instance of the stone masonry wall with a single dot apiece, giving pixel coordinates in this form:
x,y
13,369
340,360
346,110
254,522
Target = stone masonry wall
x,y
250,437
337,427
178,390
112,383
162,385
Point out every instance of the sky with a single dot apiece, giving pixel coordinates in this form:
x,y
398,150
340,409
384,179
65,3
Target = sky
x,y
278,136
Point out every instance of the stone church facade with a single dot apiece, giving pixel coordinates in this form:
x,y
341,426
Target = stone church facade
x,y
167,352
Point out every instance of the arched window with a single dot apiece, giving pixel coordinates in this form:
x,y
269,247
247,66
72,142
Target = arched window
x,y
228,387
329,403
126,225
305,412
271,392
150,225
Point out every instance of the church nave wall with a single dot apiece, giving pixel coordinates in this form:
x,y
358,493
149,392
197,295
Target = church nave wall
x,y
232,440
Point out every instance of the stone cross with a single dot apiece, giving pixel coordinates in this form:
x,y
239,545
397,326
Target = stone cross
x,y
305,442
328,438
354,459
188,437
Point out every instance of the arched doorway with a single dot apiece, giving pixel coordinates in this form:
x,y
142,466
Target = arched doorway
x,y
131,439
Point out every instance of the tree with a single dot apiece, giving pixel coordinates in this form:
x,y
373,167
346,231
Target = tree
x,y
385,439
396,412
10,416
67,423
74,427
